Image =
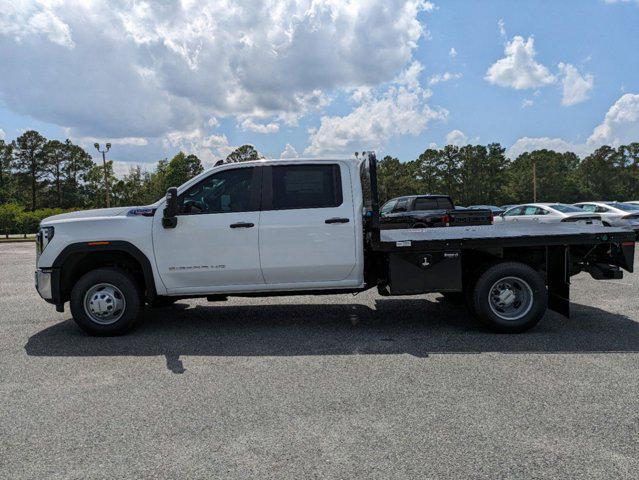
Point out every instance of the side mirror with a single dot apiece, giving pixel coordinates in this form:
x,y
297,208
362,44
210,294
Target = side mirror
x,y
169,219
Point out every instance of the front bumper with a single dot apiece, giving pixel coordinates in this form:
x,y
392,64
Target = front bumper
x,y
43,284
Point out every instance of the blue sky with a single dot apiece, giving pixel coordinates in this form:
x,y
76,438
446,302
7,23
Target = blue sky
x,y
325,78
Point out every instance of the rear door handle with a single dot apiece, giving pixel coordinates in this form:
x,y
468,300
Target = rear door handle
x,y
336,220
242,225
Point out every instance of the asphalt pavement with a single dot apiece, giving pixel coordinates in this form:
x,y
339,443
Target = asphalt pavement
x,y
319,387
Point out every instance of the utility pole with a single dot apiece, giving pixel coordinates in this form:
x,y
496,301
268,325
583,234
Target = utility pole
x,y
534,179
106,177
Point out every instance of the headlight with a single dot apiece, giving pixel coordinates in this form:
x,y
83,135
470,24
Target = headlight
x,y
43,238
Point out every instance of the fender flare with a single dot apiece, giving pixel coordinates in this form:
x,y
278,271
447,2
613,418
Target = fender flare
x,y
99,246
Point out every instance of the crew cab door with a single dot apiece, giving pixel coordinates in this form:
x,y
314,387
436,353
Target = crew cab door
x,y
307,225
215,243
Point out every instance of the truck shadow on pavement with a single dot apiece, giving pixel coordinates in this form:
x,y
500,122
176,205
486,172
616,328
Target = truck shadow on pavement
x,y
417,327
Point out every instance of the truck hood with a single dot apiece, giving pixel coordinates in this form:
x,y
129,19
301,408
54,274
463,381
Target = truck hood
x,y
94,213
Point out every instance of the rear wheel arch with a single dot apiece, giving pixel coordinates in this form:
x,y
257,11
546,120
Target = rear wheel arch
x,y
481,290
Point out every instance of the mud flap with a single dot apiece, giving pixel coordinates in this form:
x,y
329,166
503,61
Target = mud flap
x,y
558,279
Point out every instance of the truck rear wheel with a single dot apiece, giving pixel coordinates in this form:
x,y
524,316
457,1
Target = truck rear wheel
x,y
105,301
510,297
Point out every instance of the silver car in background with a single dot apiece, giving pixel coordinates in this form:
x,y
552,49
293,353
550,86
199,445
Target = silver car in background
x,y
614,214
549,213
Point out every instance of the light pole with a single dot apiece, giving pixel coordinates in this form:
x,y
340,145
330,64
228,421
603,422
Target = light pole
x,y
106,177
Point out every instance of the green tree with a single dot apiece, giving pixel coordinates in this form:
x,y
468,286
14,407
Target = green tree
x,y
6,178
427,173
94,184
55,158
182,168
449,171
244,153
28,222
76,168
556,174
395,178
9,214
134,188
30,162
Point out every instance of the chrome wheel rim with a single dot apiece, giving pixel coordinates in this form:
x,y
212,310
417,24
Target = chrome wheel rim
x,y
510,298
104,303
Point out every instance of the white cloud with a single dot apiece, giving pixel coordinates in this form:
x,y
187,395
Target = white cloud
x,y
209,148
456,138
452,53
250,125
2,134
576,87
121,69
131,141
361,94
620,125
213,122
400,108
518,69
527,103
22,20
443,77
289,152
502,28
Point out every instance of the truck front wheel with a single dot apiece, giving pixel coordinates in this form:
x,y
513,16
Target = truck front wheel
x,y
105,301
510,297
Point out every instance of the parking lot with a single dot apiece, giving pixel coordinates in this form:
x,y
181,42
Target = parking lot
x,y
319,387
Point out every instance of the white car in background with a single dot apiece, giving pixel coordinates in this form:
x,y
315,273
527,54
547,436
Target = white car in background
x,y
549,213
614,214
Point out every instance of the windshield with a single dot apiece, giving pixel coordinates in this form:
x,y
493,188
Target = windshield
x,y
563,208
626,207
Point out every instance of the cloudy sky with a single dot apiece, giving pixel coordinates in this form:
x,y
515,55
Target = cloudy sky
x,y
320,77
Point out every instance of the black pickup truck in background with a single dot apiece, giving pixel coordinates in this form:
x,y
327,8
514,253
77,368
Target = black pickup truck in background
x,y
426,211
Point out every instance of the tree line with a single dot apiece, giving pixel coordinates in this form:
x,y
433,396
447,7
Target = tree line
x,y
41,177
478,174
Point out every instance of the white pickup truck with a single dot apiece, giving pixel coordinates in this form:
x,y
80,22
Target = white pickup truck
x,y
290,227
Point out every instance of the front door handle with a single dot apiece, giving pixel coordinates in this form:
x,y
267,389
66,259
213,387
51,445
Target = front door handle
x,y
242,225
336,220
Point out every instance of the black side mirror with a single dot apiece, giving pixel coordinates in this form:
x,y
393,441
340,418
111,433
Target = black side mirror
x,y
169,219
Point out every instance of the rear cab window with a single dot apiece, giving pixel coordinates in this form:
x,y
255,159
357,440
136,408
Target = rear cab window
x,y
306,186
433,203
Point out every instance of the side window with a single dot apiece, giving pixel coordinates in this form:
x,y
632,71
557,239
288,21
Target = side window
x,y
388,207
513,212
530,211
600,209
401,206
542,211
223,192
588,208
306,186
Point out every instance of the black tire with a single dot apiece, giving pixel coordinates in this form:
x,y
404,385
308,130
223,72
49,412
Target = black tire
x,y
418,225
526,282
162,301
126,290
